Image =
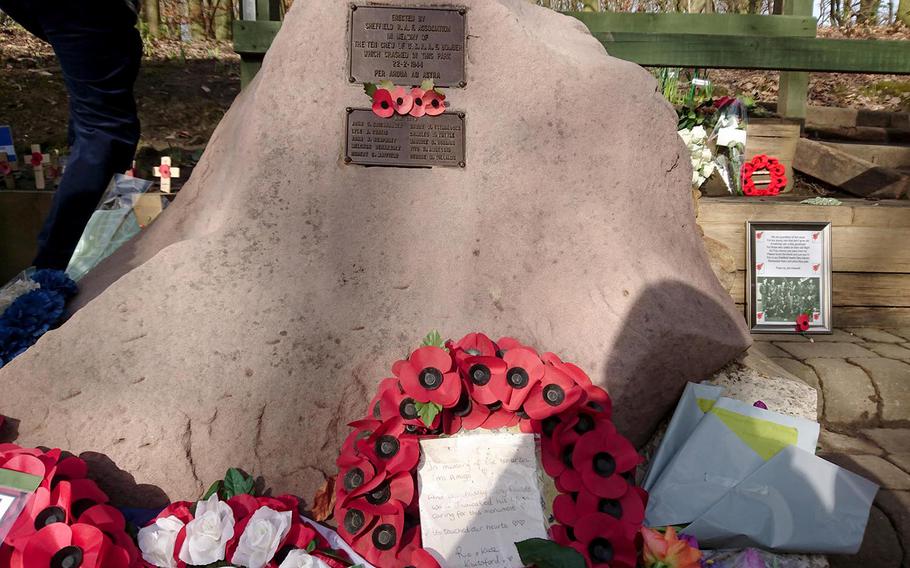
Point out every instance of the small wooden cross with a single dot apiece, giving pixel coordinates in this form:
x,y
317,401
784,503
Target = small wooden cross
x,y
166,172
132,171
38,161
6,171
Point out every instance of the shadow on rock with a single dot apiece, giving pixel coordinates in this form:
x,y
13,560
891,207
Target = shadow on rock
x,y
120,485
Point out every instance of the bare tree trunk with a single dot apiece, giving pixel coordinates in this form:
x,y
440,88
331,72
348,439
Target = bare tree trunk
x,y
197,19
152,13
224,19
868,12
903,12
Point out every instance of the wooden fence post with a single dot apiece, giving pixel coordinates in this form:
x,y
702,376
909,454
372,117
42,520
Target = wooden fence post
x,y
794,86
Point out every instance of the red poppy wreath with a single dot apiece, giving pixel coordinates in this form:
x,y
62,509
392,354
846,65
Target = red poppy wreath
x,y
444,388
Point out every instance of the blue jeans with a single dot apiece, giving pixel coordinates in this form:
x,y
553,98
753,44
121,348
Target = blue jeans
x,y
99,50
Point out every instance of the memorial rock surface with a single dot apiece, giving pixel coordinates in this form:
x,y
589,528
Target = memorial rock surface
x,y
256,317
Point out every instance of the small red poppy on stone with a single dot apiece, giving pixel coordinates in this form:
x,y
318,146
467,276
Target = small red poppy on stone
x,y
382,103
354,477
554,394
394,404
385,385
388,450
472,345
604,542
485,377
802,322
601,456
524,370
429,377
434,104
402,100
418,109
361,430
62,545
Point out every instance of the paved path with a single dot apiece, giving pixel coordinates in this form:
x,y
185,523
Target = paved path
x,y
863,380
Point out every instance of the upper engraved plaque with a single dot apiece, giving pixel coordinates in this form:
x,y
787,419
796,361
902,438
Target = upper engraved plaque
x,y
407,45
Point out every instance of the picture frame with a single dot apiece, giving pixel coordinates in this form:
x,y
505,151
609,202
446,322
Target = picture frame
x,y
788,275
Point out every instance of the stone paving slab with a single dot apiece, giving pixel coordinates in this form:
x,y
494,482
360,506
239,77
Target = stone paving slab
x,y
892,440
890,350
799,369
896,505
892,378
876,335
902,461
848,392
836,335
880,549
828,350
900,331
835,443
874,468
768,349
757,378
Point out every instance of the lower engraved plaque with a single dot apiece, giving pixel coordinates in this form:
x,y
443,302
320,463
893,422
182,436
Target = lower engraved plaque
x,y
405,141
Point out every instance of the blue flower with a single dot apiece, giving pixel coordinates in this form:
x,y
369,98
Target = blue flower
x,y
56,281
29,317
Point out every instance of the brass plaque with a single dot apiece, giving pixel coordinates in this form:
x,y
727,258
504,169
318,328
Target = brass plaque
x,y
404,140
407,45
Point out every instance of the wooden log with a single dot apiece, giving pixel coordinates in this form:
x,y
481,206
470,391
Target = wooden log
x,y
708,24
896,157
776,138
820,116
845,171
868,134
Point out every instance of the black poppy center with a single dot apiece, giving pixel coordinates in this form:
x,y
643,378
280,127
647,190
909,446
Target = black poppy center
x,y
384,537
517,378
480,374
495,406
554,395
418,101
435,103
50,516
408,409
380,495
377,413
464,406
585,423
521,413
567,455
67,557
596,406
353,479
387,446
600,550
604,464
353,520
611,507
384,104
399,101
549,425
431,378
81,506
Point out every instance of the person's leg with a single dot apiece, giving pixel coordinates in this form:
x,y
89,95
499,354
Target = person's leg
x,y
99,51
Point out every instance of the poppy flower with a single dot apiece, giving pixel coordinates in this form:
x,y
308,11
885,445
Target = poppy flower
x,y
499,418
412,554
434,104
388,450
300,536
62,545
601,456
524,370
561,534
383,103
70,468
429,377
385,385
555,393
485,377
418,109
802,322
42,509
385,496
112,523
353,477
604,542
507,343
467,414
83,494
472,345
667,550
628,509
349,450
394,404
402,100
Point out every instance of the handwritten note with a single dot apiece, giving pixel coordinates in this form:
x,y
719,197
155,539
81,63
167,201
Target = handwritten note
x,y
479,495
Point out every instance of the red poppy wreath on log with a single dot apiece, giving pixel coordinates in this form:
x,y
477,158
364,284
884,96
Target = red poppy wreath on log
x,y
444,388
762,164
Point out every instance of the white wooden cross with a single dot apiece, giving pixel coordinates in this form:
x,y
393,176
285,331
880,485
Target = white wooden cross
x,y
166,172
38,161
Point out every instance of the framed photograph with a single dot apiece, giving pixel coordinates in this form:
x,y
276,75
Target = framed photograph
x,y
788,271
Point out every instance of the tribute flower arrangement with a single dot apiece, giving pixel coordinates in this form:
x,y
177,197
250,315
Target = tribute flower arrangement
x,y
389,100
762,163
443,388
67,521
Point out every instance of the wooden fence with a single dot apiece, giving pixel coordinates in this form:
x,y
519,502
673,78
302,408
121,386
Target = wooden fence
x,y
784,42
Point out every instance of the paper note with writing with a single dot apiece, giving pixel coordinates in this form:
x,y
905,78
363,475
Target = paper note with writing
x,y
479,495
788,253
789,270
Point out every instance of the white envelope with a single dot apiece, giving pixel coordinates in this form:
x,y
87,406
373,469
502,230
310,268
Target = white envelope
x,y
696,399
795,502
728,444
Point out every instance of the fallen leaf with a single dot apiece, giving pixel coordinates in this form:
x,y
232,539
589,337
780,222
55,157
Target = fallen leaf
x,y
324,500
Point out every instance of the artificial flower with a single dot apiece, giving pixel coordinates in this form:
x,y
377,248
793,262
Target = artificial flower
x,y
429,376
604,542
208,533
472,345
395,404
525,369
60,544
667,551
387,449
418,109
385,385
499,417
382,103
485,376
628,508
260,538
434,104
302,559
412,554
354,476
402,100
112,523
601,456
158,541
802,322
555,393
466,415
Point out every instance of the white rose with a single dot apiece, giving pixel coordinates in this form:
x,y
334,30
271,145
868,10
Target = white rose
x,y
261,537
208,533
699,133
157,541
298,558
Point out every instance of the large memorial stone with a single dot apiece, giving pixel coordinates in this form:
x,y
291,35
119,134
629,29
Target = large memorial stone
x,y
256,317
